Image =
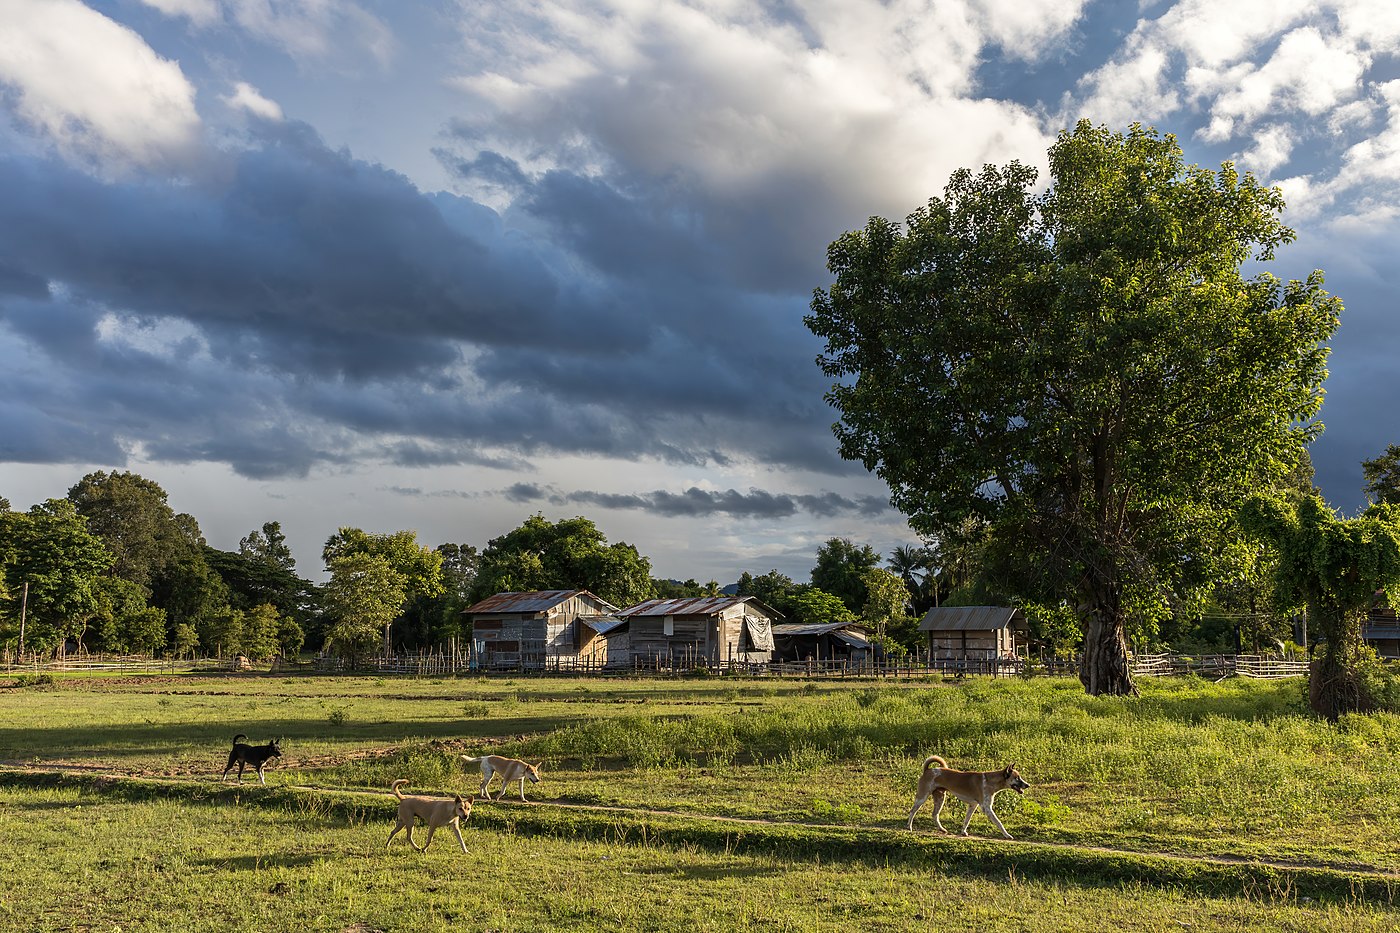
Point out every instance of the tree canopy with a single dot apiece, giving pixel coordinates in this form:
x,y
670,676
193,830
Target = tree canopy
x,y
1382,476
135,522
1085,370
64,564
570,554
1333,567
841,568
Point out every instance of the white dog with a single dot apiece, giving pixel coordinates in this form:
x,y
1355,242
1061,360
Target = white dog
x,y
510,769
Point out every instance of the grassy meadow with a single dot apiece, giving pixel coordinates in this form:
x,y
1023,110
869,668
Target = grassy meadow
x,y
714,803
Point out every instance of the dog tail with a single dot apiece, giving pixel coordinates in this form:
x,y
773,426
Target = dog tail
x,y
468,760
931,759
396,785
239,736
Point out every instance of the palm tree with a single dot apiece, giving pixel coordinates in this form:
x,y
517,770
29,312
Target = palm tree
x,y
913,566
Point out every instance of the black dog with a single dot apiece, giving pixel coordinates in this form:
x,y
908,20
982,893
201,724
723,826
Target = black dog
x,y
254,756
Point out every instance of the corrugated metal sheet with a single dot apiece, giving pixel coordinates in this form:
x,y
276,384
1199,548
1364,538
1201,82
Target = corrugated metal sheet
x,y
534,601
695,606
602,624
972,619
801,628
853,639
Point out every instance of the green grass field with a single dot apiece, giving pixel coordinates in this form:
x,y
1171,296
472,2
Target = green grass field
x,y
714,804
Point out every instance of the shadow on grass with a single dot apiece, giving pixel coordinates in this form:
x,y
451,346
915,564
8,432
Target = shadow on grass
x,y
975,858
156,740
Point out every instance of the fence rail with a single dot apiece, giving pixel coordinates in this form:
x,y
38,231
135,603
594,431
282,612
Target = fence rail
x,y
1217,666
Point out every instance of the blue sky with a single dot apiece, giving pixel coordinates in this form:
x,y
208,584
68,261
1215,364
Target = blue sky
x,y
441,265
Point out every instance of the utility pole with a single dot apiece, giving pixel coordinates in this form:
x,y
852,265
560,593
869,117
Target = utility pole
x,y
23,608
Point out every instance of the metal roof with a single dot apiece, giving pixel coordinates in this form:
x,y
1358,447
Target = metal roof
x,y
802,628
534,601
695,606
602,624
972,619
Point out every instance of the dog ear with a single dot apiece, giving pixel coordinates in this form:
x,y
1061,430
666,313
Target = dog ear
x,y
1011,767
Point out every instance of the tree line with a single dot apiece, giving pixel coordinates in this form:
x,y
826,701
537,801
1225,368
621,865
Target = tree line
x,y
111,567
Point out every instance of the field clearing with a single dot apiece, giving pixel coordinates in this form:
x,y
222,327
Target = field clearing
x,y
1216,774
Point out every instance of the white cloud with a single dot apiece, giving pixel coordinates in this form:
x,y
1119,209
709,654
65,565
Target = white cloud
x,y
1027,28
305,29
94,88
199,12
1272,147
1271,77
246,97
867,103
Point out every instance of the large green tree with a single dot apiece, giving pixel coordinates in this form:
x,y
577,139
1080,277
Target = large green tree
x,y
1333,567
362,598
419,566
1084,368
136,523
841,568
50,549
569,554
1382,476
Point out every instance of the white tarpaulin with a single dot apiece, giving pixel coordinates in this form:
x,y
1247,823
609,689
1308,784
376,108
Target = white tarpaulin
x,y
760,632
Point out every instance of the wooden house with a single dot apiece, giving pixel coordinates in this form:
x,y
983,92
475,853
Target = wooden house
x,y
982,633
702,630
832,641
538,629
1381,631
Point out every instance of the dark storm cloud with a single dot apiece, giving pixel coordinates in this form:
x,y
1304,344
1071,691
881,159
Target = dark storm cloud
x,y
1359,411
309,302
700,503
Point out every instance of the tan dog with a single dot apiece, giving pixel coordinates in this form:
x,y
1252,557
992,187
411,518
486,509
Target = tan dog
x,y
975,788
434,811
510,769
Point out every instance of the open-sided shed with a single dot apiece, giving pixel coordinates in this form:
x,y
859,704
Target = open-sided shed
x,y
537,628
975,632
831,641
702,630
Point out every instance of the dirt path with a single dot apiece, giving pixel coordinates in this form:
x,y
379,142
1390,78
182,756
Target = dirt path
x,y
196,777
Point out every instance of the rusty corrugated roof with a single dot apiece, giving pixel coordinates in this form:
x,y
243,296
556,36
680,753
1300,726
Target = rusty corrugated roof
x,y
695,606
534,601
972,619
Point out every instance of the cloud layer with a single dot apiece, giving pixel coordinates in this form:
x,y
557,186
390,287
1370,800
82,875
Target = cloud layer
x,y
624,211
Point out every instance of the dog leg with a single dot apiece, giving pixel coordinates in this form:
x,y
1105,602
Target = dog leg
x,y
940,796
987,809
394,832
422,848
522,790
967,818
432,828
918,802
261,780
457,828
485,782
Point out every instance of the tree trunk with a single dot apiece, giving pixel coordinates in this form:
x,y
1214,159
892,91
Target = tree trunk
x,y
1103,669
1334,687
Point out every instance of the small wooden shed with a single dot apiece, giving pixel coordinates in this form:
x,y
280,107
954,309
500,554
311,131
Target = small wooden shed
x,y
535,629
975,632
707,630
831,641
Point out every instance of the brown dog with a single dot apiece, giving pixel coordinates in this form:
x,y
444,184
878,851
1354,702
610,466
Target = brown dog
x,y
435,811
975,788
510,769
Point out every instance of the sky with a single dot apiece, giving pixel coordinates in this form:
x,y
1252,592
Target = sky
x,y
440,266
